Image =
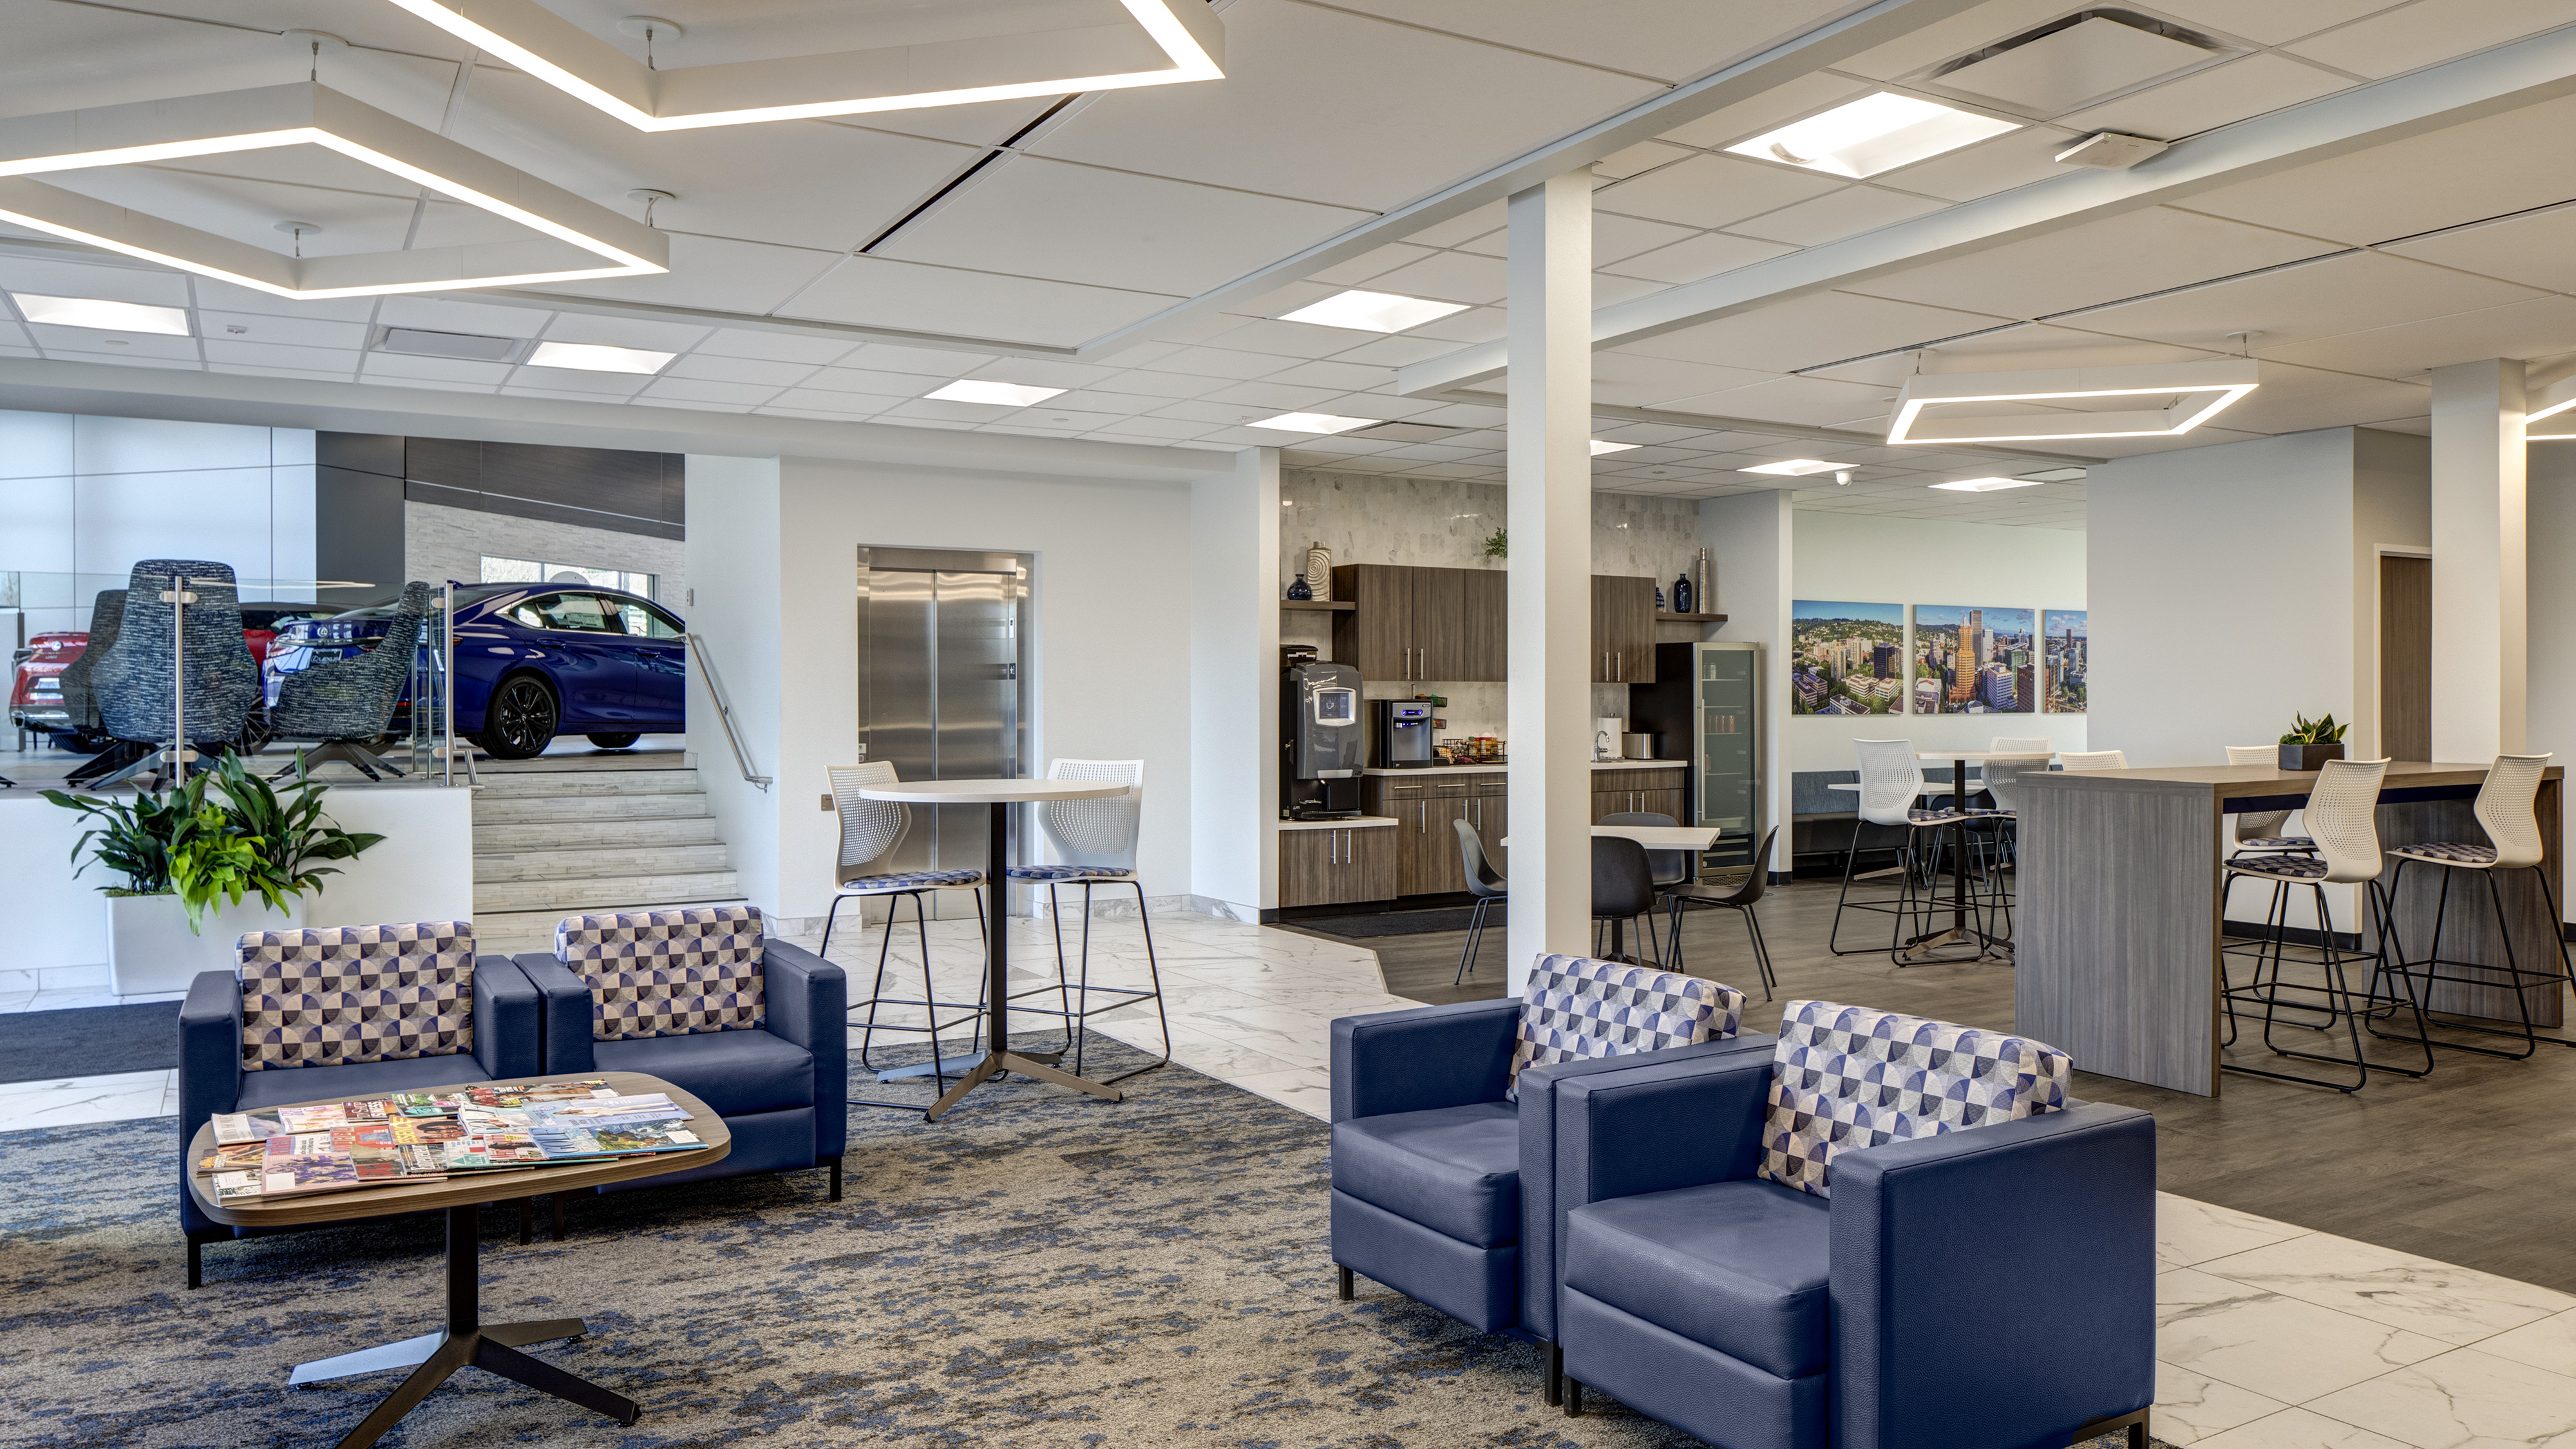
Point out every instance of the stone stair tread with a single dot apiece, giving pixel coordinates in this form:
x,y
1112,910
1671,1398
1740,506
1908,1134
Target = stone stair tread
x,y
553,764
594,783
602,892
595,834
535,930
598,862
538,809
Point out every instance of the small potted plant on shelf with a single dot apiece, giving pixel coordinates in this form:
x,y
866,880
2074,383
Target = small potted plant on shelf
x,y
192,861
2312,742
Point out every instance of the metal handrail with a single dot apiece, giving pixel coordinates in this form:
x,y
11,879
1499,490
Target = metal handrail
x,y
715,691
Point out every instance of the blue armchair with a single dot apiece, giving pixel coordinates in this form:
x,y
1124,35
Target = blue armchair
x,y
1443,1162
1983,1274
754,1028
344,1011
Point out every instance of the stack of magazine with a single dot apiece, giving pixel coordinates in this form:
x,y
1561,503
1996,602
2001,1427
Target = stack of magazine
x,y
280,1152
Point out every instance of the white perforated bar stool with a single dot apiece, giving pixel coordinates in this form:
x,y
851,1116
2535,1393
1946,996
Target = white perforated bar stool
x,y
2093,760
2507,811
1891,779
870,828
2003,782
1094,844
2343,820
2261,829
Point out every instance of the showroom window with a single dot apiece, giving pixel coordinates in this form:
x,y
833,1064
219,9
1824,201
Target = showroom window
x,y
536,571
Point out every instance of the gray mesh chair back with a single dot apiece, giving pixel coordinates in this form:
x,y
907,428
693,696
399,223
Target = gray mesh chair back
x,y
1098,833
869,828
354,698
80,699
1482,878
134,683
1670,867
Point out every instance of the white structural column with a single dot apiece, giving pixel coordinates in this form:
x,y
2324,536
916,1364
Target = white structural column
x,y
2481,604
1234,731
1549,477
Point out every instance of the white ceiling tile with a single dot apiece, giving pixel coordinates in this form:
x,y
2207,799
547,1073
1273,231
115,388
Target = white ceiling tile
x,y
1476,324
2020,349
2074,64
635,332
2323,299
2272,22
1167,428
985,123
1816,91
1814,401
2015,158
1274,396
2469,172
1221,362
1466,227
107,283
1138,354
1371,263
1847,212
716,273
1613,237
1043,372
2248,86
1670,39
434,384
2103,261
1339,376
810,399
740,369
809,348
1313,97
876,292
225,297
1638,159
927,361
392,366
1971,29
292,331
2328,401
685,389
2523,329
1209,414
1809,331
1447,277
1608,290
1143,383
695,405
1704,255
342,360
244,369
1289,339
2538,251
1712,191
566,379
1397,351
112,346
2417,35
863,382
1624,378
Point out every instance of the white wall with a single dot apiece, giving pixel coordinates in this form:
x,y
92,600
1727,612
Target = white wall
x,y
1867,558
449,543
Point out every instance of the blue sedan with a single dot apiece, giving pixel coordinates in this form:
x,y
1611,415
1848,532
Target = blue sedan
x,y
532,661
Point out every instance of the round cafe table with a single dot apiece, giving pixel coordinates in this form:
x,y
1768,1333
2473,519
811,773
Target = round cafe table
x,y
1001,795
1918,951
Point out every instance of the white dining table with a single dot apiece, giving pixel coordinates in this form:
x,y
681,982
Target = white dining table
x,y
1000,795
1654,837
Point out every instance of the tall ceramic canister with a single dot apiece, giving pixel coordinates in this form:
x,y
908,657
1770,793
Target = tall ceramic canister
x,y
1319,570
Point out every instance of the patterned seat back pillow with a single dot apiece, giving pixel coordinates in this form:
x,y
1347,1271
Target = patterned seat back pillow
x,y
1845,1078
331,996
1577,1008
667,973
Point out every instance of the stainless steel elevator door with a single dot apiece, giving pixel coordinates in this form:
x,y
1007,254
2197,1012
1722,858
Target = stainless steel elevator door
x,y
943,701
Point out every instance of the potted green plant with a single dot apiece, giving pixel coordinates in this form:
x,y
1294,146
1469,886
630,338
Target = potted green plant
x,y
2312,742
202,864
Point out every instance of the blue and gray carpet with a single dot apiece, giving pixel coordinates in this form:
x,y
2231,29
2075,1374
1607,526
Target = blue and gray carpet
x,y
1035,1270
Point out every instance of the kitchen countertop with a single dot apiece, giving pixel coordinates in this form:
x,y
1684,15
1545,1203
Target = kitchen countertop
x,y
1500,769
1361,823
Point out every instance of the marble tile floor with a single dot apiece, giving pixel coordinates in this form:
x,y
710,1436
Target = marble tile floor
x,y
2270,1336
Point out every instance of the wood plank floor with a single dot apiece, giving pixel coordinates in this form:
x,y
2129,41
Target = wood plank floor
x,y
2472,1165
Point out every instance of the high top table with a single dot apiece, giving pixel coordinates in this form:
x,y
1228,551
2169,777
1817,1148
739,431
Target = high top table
x,y
1001,795
2121,923
1917,952
467,1341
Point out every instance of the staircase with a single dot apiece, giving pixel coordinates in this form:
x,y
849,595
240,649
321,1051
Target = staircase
x,y
583,834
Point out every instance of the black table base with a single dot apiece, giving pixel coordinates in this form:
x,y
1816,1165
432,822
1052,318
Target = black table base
x,y
1973,941
466,1342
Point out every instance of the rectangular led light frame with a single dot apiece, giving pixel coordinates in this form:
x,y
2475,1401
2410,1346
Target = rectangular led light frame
x,y
100,315
581,240
1792,467
2205,388
1372,311
2550,408
1172,41
996,394
1987,485
1326,423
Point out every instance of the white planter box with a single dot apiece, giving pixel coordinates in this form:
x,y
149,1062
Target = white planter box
x,y
151,950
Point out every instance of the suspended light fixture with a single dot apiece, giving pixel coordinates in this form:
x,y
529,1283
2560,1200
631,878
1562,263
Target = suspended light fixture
x,y
1955,407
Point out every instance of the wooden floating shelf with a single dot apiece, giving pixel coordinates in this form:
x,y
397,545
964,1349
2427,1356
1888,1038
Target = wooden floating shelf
x,y
1319,604
1662,618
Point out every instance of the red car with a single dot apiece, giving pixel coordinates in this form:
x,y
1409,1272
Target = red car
x,y
36,693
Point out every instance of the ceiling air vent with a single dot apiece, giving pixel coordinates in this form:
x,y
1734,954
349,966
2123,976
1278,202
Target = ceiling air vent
x,y
466,346
2078,59
1405,433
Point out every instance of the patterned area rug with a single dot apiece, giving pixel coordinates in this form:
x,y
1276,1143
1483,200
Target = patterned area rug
x,y
1035,1270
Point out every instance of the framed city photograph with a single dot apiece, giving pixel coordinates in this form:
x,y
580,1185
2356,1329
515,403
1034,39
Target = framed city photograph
x,y
2065,655
1846,658
1970,659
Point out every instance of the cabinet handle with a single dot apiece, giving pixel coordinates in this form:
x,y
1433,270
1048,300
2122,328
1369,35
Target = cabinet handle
x,y
1422,819
1623,664
1332,847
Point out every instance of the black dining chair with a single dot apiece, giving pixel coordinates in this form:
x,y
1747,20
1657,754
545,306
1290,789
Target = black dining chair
x,y
1742,897
1484,883
1670,867
1623,895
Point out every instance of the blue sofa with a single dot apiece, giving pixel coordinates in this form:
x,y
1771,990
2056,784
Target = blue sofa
x,y
757,1029
344,1011
1991,1286
1441,1181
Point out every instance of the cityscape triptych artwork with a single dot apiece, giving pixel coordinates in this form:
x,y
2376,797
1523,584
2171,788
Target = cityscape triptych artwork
x,y
1858,658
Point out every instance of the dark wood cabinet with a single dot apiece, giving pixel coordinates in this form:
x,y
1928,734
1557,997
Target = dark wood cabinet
x,y
1623,630
1427,809
1337,865
1486,608
1420,625
1640,792
1376,635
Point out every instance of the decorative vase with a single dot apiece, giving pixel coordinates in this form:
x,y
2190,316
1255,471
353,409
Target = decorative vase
x,y
2309,757
1299,590
150,948
1319,570
1683,597
1659,598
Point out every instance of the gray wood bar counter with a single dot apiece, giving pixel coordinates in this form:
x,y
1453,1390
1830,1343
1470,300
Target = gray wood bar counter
x,y
2119,930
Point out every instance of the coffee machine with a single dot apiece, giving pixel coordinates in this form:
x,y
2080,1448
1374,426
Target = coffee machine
x,y
1321,746
1403,734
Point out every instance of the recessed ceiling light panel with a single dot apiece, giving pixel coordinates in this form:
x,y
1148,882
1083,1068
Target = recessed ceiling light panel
x,y
1171,41
1791,468
1372,311
999,394
103,316
577,239
1599,447
1873,134
1947,408
1311,423
595,357
1988,485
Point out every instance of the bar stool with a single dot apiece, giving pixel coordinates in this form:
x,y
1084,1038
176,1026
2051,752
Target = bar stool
x,y
870,828
2093,760
1095,844
1890,780
2003,782
2505,810
2256,831
2342,817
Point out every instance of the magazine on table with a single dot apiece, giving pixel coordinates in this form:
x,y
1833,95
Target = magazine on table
x,y
426,1136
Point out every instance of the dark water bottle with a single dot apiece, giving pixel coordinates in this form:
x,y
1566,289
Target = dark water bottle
x,y
1682,599
1299,590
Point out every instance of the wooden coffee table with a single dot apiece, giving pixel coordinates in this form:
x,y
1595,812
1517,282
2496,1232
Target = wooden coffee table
x,y
466,1341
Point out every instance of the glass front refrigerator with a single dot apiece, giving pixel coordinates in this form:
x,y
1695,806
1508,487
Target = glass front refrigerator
x,y
1706,709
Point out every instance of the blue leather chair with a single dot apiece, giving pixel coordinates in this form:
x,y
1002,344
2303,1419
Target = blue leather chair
x,y
344,1011
1736,1265
1443,1165
701,998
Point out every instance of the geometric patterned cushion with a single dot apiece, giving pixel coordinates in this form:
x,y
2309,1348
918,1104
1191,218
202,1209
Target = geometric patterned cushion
x,y
667,973
2280,867
1069,872
2277,842
341,994
1578,1008
911,880
1943,816
2447,852
1845,1078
